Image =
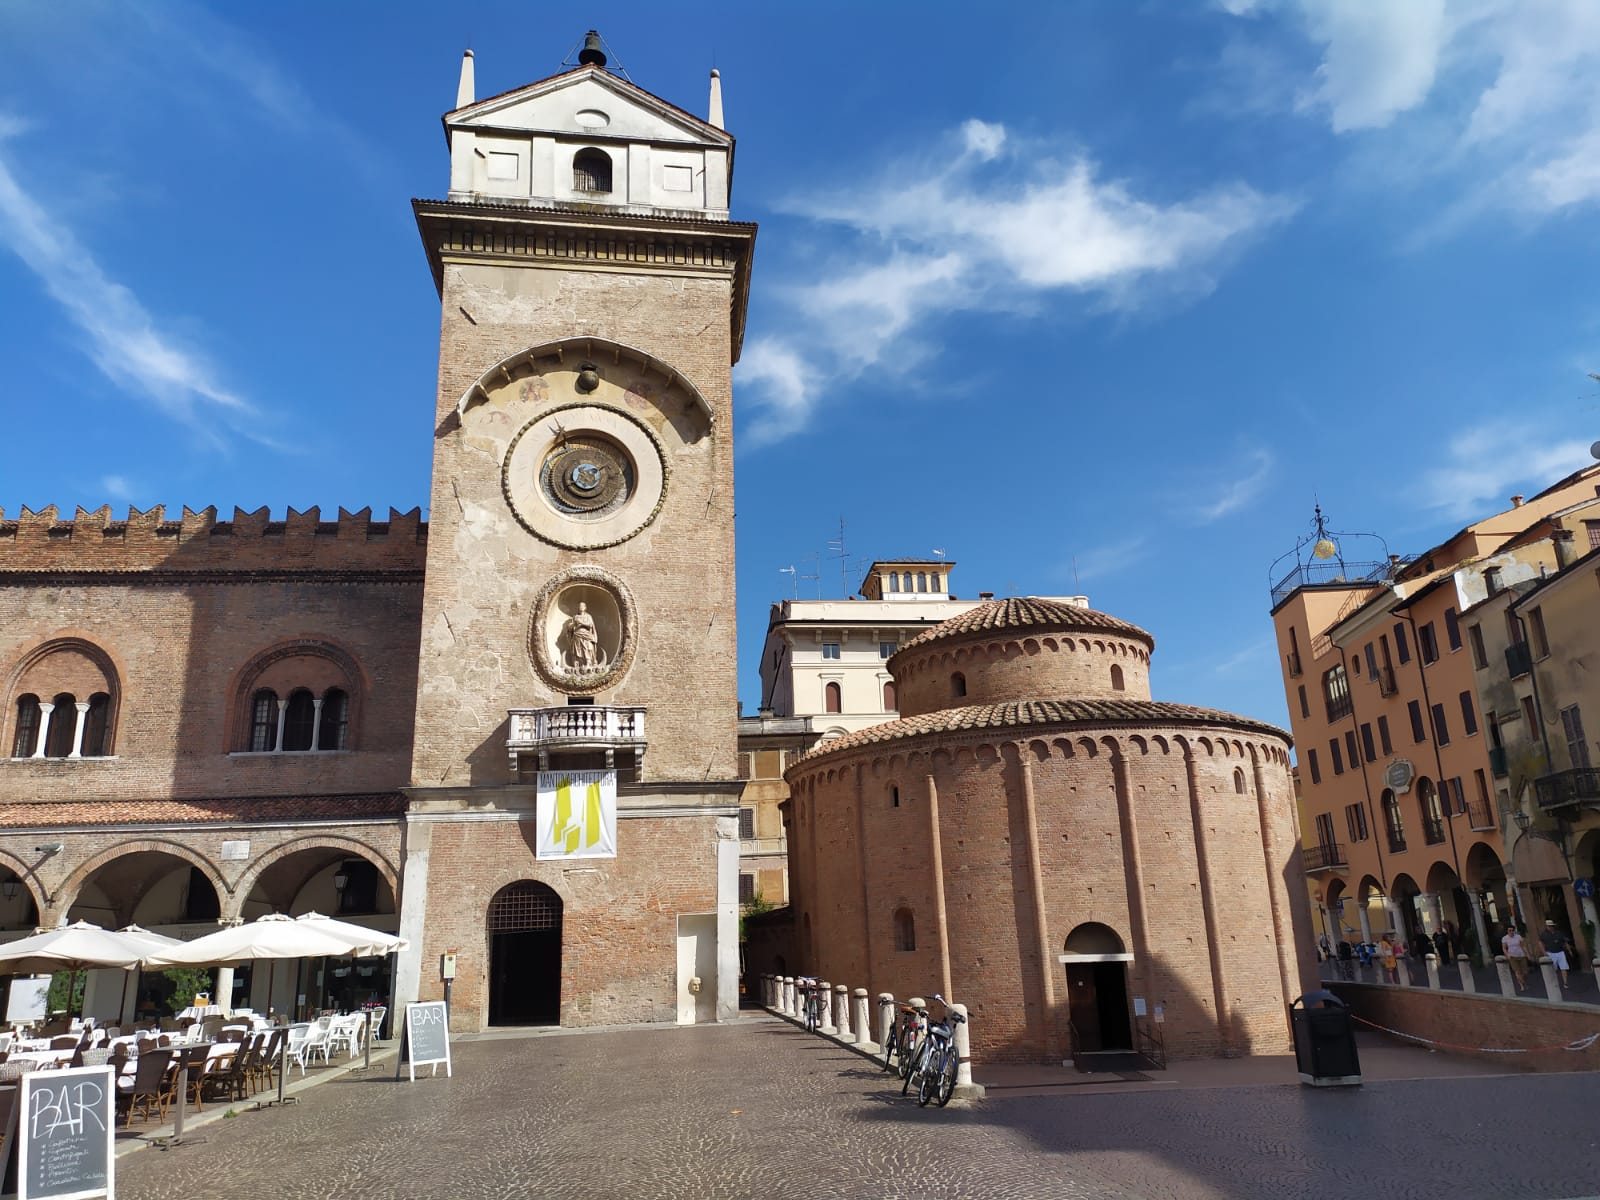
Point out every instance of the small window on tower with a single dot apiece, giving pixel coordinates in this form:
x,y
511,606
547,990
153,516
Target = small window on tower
x,y
591,171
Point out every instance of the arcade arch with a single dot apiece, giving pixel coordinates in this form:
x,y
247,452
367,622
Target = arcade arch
x,y
524,922
1097,988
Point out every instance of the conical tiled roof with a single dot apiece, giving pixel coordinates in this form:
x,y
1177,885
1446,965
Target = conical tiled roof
x,y
1017,613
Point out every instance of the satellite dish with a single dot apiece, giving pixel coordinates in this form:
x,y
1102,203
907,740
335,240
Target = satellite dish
x,y
1594,450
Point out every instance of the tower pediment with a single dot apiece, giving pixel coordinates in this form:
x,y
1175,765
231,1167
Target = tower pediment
x,y
589,139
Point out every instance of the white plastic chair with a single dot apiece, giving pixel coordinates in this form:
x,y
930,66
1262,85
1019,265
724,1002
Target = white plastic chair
x,y
318,1041
299,1036
344,1033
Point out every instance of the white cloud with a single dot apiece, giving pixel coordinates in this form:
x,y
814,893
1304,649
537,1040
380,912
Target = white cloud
x,y
1098,562
117,487
1379,59
122,338
1243,484
1484,466
959,235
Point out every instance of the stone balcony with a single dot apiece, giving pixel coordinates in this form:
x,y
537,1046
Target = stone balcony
x,y
615,731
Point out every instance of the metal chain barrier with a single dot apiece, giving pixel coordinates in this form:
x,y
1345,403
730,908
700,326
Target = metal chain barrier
x,y
1579,1045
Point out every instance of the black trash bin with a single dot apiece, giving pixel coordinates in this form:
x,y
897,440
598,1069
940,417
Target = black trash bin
x,y
1324,1041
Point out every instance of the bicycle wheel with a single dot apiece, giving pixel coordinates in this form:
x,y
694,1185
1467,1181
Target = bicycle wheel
x,y
928,1079
948,1070
909,1045
914,1066
891,1050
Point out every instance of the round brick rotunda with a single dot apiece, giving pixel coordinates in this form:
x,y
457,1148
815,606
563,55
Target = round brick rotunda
x,y
1089,870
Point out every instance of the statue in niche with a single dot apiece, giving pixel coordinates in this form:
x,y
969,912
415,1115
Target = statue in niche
x,y
583,641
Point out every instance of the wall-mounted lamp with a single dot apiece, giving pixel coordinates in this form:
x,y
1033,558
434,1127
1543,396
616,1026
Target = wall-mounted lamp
x,y
50,848
341,879
9,889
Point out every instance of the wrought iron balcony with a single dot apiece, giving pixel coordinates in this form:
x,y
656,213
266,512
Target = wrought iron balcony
x,y
585,727
1497,761
1580,786
1519,659
1323,857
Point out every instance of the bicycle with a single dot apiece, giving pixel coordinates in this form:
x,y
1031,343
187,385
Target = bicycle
x,y
901,1043
937,1061
810,1005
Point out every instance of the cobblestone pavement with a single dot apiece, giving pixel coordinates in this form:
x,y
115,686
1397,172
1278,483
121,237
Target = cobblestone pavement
x,y
761,1108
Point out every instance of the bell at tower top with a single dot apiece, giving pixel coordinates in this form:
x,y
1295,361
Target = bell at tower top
x,y
588,139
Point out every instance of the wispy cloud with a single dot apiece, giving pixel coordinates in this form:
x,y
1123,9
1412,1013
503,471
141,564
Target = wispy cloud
x,y
1244,482
117,487
951,233
1258,652
1100,562
1485,465
122,338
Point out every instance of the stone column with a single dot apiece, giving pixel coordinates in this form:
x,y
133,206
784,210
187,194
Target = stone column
x,y
1503,969
963,1047
77,734
841,1019
824,992
224,992
1469,985
1485,946
1396,920
316,722
885,1016
1552,981
44,728
283,710
1366,928
860,1022
1433,971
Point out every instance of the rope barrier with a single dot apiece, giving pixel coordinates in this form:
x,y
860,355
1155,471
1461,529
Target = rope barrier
x,y
1579,1045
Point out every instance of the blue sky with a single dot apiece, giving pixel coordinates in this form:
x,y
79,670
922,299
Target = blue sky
x,y
1093,297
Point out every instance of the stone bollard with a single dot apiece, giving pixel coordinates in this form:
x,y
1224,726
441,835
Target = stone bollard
x,y
885,1016
1502,968
1469,985
1402,970
963,1047
1552,981
824,998
1433,970
860,1022
788,996
841,1014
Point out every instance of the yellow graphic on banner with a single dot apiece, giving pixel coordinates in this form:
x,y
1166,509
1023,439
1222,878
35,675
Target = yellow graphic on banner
x,y
576,826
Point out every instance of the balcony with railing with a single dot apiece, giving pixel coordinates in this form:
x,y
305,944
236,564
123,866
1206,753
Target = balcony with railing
x,y
763,847
594,728
1332,573
1480,815
1340,707
1579,786
1323,857
1519,659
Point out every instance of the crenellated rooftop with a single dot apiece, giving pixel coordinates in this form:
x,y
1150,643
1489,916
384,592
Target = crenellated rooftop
x,y
95,541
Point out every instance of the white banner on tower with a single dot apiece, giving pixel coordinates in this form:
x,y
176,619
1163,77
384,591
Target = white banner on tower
x,y
577,814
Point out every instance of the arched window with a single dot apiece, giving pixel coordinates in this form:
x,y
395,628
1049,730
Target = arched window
x,y
1394,825
95,727
333,733
922,581
1116,678
906,581
591,171
299,719
1238,780
1336,692
889,698
832,698
1432,816
264,720
894,581
958,684
63,726
27,734
905,929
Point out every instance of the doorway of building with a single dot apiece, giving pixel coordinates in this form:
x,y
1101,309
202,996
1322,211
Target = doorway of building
x,y
524,927
1097,989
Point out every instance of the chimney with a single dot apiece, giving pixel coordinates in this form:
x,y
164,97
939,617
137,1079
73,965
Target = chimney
x,y
715,112
1566,549
1516,501
466,90
985,595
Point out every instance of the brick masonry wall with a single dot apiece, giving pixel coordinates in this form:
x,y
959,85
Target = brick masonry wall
x,y
1002,670
1481,1021
855,859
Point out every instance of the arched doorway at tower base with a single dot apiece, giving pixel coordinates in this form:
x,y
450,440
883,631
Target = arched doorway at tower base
x,y
524,931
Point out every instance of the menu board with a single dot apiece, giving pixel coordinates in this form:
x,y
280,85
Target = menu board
x,y
427,1036
65,1135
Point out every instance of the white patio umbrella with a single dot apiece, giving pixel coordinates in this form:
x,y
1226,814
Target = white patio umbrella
x,y
156,942
273,936
76,947
364,942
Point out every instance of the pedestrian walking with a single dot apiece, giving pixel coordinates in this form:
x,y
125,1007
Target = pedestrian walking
x,y
1517,955
1555,947
1441,946
1323,953
1346,961
1386,953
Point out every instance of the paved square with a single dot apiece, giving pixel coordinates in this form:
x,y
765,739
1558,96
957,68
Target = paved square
x,y
761,1108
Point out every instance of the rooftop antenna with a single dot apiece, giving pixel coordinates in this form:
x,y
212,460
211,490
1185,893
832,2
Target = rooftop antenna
x,y
815,560
794,578
836,549
938,552
1077,585
594,51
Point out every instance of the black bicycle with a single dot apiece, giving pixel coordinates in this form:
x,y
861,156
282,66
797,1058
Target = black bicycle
x,y
811,1005
901,1043
936,1062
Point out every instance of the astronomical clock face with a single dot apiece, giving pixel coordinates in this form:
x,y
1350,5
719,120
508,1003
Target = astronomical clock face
x,y
584,477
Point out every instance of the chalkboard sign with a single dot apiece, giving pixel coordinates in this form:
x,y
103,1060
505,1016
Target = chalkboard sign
x,y
65,1135
427,1036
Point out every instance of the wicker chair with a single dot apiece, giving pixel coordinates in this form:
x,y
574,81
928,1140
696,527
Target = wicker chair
x,y
149,1085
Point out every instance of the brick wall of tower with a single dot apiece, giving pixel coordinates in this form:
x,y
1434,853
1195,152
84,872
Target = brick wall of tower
x,y
484,568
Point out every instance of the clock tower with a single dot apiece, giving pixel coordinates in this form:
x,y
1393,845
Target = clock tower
x,y
572,826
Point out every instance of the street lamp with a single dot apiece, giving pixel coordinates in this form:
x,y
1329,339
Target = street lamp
x,y
341,879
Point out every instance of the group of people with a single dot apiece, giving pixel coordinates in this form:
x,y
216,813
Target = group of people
x,y
1445,943
1552,940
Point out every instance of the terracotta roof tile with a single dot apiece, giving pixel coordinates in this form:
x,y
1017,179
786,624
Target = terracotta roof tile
x,y
1029,713
1027,612
241,810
